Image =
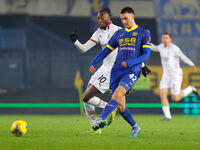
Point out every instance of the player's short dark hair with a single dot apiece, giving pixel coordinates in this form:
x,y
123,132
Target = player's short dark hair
x,y
107,10
166,33
127,10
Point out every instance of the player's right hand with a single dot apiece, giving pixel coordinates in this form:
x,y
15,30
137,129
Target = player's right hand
x,y
92,69
145,71
194,68
73,36
124,64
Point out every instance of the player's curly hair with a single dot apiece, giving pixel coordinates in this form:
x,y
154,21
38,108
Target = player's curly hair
x,y
127,10
107,10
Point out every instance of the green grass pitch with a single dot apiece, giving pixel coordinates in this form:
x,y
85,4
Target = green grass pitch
x,y
64,132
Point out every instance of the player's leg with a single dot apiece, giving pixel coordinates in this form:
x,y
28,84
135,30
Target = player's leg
x,y
190,89
164,88
91,115
165,104
176,92
126,114
110,107
118,99
89,102
90,98
128,81
99,83
90,109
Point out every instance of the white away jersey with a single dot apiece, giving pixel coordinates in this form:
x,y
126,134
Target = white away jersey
x,y
103,36
170,57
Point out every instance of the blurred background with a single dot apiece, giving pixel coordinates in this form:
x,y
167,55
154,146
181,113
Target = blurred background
x,y
40,65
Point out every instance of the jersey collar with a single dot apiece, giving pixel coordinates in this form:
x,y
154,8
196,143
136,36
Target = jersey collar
x,y
128,30
108,26
168,46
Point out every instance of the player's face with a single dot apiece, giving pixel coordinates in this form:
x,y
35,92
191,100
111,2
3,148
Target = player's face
x,y
166,39
127,20
103,19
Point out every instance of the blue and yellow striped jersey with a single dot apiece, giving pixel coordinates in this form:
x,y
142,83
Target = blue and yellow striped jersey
x,y
129,43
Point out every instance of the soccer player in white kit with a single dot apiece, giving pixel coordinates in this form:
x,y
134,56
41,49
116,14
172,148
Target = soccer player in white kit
x,y
172,73
99,82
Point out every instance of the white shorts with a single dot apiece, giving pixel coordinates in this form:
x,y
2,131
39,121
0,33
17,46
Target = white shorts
x,y
172,81
101,78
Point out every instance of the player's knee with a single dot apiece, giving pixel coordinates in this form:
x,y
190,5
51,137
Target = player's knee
x,y
85,98
121,107
162,95
117,96
176,98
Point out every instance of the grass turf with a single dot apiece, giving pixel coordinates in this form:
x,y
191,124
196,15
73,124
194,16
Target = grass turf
x,y
55,132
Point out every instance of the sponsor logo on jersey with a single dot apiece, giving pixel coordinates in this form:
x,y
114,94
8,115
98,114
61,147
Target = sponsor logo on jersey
x,y
134,33
110,105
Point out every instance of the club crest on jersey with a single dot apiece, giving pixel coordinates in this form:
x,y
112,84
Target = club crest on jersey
x,y
110,91
134,33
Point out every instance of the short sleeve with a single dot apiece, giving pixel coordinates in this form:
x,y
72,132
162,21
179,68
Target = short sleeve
x,y
113,42
146,39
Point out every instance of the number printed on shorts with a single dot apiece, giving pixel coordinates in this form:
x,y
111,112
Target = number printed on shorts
x,y
133,77
101,79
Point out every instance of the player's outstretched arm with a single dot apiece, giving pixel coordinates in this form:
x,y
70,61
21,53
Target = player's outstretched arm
x,y
82,47
186,60
101,55
154,48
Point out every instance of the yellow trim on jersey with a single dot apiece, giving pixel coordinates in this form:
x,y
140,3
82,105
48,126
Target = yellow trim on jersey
x,y
146,46
128,30
111,48
125,84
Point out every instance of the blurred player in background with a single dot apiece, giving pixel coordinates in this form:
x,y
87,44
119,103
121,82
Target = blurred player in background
x,y
99,82
172,73
133,43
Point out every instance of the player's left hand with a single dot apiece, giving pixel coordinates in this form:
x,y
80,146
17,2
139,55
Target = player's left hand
x,y
145,71
92,69
124,64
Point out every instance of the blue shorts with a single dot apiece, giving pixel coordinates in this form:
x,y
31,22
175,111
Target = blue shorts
x,y
127,80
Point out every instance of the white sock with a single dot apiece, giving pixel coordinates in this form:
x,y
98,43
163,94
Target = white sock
x,y
97,102
90,113
166,112
187,90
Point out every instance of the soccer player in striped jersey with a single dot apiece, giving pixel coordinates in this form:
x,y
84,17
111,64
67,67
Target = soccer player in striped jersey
x,y
99,82
133,43
172,73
